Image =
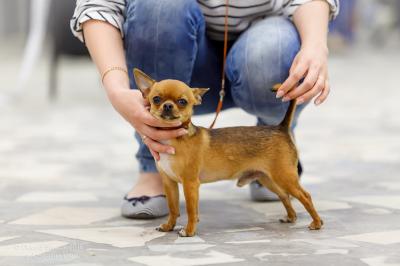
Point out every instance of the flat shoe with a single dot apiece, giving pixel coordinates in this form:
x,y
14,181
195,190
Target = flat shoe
x,y
144,207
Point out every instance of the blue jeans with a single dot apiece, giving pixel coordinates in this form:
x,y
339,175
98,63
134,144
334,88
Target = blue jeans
x,y
167,39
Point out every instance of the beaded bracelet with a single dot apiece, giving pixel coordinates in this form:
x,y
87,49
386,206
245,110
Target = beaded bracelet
x,y
112,69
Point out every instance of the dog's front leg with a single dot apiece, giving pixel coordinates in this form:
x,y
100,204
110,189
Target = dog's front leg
x,y
172,193
191,190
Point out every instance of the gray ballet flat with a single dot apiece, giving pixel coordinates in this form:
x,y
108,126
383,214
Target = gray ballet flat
x,y
259,193
144,207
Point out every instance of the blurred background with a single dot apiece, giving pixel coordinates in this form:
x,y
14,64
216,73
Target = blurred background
x,y
64,151
57,123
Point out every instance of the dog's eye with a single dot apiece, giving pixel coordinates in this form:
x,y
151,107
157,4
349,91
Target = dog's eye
x,y
157,99
182,102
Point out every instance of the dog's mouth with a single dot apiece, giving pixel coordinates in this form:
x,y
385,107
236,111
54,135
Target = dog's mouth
x,y
169,116
166,116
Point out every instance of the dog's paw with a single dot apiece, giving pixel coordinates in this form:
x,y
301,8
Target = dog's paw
x,y
288,220
164,228
184,233
315,225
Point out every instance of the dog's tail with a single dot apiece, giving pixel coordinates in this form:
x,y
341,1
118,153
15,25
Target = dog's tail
x,y
288,119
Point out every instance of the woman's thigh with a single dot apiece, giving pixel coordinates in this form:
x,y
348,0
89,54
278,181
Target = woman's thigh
x,y
167,40
260,58
161,37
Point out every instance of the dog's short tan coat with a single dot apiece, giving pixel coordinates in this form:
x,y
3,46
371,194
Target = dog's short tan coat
x,y
263,153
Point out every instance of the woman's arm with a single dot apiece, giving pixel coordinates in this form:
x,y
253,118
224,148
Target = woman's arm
x,y
311,63
109,52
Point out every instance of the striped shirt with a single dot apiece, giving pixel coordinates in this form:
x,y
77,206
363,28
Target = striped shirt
x,y
242,13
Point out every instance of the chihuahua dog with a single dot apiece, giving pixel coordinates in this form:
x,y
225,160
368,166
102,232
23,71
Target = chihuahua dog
x,y
266,154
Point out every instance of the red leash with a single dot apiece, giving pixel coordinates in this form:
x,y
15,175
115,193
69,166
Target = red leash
x,y
222,90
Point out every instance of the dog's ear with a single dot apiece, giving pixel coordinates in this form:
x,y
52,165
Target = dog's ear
x,y
143,81
198,94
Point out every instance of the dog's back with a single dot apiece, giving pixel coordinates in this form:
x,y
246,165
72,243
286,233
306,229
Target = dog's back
x,y
235,151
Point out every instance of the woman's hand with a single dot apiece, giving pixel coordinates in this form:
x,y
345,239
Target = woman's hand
x,y
131,105
311,67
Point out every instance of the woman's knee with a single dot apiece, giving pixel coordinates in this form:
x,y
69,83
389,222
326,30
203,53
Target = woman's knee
x,y
260,58
143,17
161,37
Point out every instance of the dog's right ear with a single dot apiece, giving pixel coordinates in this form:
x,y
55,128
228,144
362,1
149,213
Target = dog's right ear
x,y
143,82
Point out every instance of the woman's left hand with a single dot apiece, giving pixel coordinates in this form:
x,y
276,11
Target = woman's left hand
x,y
311,67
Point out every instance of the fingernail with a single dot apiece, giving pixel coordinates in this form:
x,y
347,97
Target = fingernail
x,y
279,94
317,102
299,101
285,99
171,151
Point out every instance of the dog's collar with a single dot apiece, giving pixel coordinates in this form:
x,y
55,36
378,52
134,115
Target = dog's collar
x,y
185,125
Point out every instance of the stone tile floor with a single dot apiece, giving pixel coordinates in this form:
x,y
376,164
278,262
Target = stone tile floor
x,y
64,168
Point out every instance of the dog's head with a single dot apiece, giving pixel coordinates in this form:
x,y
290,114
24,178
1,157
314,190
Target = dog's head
x,y
170,100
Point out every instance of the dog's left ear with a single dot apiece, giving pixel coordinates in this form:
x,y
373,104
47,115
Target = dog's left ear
x,y
198,94
143,81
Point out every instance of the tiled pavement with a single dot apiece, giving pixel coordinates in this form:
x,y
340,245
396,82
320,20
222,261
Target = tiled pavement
x,y
64,168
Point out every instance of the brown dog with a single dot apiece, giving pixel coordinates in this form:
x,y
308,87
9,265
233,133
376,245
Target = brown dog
x,y
263,153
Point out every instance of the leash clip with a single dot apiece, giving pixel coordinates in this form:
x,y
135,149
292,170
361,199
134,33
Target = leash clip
x,y
221,95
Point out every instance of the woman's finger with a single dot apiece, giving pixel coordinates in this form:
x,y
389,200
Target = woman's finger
x,y
324,94
158,147
307,84
294,65
162,134
155,155
318,87
294,77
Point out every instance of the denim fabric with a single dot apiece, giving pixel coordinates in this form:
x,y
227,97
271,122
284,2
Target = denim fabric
x,y
167,39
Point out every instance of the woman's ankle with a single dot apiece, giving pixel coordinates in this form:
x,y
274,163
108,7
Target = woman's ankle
x,y
148,184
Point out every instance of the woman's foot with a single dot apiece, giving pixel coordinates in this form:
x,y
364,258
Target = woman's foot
x,y
259,193
146,200
149,184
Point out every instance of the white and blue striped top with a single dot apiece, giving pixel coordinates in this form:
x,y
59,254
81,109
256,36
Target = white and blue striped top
x,y
242,13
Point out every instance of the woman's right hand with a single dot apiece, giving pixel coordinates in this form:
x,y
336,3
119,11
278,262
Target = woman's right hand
x,y
135,109
109,52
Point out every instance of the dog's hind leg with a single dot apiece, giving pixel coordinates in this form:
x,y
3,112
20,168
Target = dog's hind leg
x,y
305,198
289,181
283,196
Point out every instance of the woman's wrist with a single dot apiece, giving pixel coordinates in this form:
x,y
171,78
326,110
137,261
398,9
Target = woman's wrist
x,y
116,78
316,46
114,82
118,96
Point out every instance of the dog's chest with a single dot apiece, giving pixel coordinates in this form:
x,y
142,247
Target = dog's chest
x,y
165,164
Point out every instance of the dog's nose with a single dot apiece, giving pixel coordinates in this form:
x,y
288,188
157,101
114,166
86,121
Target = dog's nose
x,y
168,107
